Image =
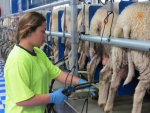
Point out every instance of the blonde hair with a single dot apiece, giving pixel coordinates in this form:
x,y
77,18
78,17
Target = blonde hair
x,y
28,24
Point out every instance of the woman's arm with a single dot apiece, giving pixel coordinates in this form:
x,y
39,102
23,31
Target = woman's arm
x,y
36,100
62,77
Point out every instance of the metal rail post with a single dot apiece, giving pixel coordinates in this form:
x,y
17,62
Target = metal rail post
x,y
74,38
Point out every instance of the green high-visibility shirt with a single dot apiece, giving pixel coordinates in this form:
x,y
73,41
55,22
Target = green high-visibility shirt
x,y
27,74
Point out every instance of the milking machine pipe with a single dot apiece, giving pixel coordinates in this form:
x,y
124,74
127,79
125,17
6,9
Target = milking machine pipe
x,y
121,42
75,36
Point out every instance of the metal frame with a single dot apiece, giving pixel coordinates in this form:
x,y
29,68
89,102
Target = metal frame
x,y
74,38
27,4
127,43
10,6
40,8
9,28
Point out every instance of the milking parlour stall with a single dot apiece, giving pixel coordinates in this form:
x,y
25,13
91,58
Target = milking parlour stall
x,y
104,43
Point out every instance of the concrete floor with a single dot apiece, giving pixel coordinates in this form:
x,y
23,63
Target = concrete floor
x,y
123,104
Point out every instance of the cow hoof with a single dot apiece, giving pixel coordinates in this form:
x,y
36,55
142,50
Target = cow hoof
x,y
94,95
101,104
108,110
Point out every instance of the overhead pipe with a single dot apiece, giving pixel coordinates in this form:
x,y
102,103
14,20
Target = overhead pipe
x,y
40,8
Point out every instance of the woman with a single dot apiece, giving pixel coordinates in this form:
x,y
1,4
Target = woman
x,y
28,71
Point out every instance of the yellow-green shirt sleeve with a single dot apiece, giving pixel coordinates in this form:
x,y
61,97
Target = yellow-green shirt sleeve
x,y
53,70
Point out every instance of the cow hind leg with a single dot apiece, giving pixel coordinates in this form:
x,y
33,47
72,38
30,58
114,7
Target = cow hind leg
x,y
116,79
104,87
92,66
138,98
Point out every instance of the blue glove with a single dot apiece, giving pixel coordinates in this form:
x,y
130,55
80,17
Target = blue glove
x,y
81,81
68,90
84,81
57,97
